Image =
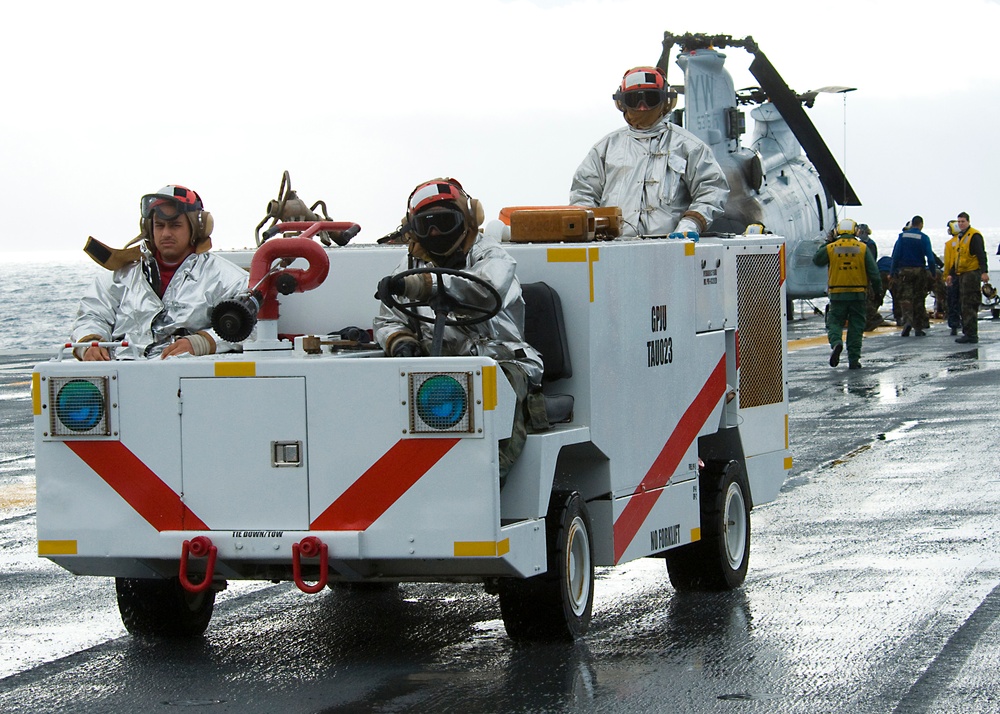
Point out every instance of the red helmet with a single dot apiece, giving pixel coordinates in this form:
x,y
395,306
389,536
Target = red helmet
x,y
642,88
440,215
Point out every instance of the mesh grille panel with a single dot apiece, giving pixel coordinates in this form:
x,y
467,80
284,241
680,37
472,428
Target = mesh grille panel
x,y
758,306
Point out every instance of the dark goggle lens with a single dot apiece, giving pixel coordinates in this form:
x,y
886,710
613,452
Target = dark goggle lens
x,y
638,97
448,222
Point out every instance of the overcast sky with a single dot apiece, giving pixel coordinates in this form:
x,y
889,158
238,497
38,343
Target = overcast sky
x,y
360,101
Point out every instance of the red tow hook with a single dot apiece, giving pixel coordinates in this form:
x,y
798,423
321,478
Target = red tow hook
x,y
310,547
197,547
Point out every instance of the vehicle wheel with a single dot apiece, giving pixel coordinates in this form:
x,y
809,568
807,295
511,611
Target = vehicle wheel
x,y
556,605
162,608
720,559
995,311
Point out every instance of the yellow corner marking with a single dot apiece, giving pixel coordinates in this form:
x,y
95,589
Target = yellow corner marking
x,y
481,548
788,463
489,388
689,248
786,431
577,255
695,534
235,369
36,393
57,547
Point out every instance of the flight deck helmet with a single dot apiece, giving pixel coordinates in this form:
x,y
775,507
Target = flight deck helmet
x,y
441,216
171,201
847,227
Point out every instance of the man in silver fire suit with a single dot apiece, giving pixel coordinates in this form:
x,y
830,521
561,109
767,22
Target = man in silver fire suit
x,y
158,295
441,228
664,178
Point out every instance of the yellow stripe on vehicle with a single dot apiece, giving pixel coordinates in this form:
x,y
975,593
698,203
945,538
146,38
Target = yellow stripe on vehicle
x,y
689,248
57,547
788,463
489,388
36,393
235,369
481,548
577,255
695,534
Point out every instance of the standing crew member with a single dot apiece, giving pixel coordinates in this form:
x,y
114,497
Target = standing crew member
x,y
912,258
953,299
664,178
160,294
971,271
851,269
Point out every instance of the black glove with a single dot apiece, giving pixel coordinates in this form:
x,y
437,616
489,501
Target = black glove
x,y
406,347
390,285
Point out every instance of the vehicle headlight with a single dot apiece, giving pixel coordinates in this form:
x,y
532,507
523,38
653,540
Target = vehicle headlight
x,y
440,402
79,406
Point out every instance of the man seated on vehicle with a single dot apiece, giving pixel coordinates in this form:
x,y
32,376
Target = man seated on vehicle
x,y
159,294
441,228
664,178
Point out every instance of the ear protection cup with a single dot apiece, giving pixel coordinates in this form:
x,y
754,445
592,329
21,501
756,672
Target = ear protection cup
x,y
476,212
205,224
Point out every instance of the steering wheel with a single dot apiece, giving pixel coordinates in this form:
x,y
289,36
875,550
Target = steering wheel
x,y
442,303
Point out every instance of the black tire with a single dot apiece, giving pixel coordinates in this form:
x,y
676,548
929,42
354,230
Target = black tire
x,y
556,605
718,561
162,608
995,311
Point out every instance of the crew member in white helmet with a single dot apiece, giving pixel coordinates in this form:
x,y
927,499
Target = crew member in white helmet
x,y
158,295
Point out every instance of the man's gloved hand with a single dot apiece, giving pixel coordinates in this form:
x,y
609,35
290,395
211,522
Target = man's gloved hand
x,y
405,347
413,287
686,229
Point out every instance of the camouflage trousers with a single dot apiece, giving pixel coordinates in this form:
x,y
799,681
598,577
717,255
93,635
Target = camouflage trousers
x,y
911,289
970,287
529,416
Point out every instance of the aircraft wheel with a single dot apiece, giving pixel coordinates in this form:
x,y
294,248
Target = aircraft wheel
x,y
556,605
720,559
162,608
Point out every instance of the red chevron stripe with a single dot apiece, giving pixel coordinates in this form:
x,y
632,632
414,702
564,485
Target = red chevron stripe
x,y
137,484
382,485
650,488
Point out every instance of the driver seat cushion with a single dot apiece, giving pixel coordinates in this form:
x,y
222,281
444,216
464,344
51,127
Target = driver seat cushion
x,y
545,330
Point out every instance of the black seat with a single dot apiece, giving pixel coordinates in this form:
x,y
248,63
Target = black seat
x,y
545,330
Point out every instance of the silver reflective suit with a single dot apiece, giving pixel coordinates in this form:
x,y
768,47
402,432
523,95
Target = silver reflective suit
x,y
500,337
654,175
122,305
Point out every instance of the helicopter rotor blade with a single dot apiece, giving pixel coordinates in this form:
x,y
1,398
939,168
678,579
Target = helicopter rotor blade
x,y
790,108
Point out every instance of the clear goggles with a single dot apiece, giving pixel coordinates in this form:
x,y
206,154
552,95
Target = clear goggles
x,y
449,222
165,207
636,98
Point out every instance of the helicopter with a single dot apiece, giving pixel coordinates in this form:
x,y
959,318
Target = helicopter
x,y
785,178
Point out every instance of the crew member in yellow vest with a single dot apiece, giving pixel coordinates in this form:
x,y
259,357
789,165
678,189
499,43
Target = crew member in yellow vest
x,y
971,271
851,267
950,263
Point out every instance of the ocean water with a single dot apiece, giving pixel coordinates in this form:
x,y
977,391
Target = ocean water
x,y
39,291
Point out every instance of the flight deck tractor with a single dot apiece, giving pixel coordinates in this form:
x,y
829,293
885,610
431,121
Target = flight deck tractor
x,y
312,457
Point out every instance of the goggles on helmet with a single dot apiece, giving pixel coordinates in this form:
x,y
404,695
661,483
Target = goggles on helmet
x,y
169,202
449,222
636,98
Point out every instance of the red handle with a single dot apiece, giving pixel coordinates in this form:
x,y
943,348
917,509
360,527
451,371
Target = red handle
x,y
198,547
310,547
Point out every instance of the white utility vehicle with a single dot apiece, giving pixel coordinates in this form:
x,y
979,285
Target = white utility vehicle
x,y
312,457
